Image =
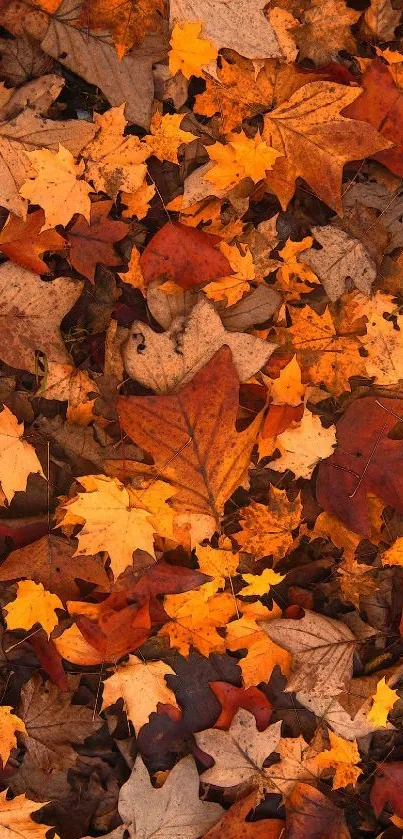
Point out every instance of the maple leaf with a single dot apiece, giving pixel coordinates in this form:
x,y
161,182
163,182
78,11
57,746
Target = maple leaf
x,y
386,788
138,202
15,818
110,521
325,30
297,763
343,757
303,445
382,19
56,186
219,564
322,649
141,685
341,261
234,287
127,21
234,826
167,136
195,620
262,654
18,458
174,808
260,583
239,754
294,277
317,141
382,340
266,529
9,723
242,157
92,242
346,478
203,475
114,162
190,52
23,242
383,701
33,604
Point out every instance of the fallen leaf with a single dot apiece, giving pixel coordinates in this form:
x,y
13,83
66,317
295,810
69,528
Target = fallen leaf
x,y
56,186
342,756
234,826
325,29
127,23
92,242
187,257
15,818
341,262
259,584
190,52
114,161
386,788
383,701
141,685
382,19
303,445
309,812
10,724
23,242
18,459
167,136
266,529
195,621
232,698
33,604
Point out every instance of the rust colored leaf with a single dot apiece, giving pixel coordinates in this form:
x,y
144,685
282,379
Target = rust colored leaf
x,y
92,243
187,256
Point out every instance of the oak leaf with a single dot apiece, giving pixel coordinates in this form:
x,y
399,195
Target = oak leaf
x,y
173,809
114,162
322,650
33,604
203,476
23,242
317,141
266,528
9,724
141,685
92,242
18,458
56,186
239,754
168,361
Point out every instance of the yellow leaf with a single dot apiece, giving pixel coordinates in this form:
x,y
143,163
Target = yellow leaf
x,y
141,684
114,162
303,445
288,388
195,621
56,186
242,157
384,700
266,528
233,287
15,818
294,277
219,564
260,583
394,554
134,275
9,724
228,169
33,604
18,459
189,52
343,757
167,136
138,202
110,521
261,657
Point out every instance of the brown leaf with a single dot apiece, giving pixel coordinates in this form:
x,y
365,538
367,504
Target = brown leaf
x,y
189,257
310,813
92,243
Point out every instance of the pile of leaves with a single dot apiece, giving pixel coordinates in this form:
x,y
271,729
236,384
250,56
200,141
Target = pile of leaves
x,y
201,424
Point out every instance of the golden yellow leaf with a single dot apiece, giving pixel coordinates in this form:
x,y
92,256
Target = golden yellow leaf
x,y
138,202
33,604
383,701
294,277
141,684
9,724
242,157
57,187
110,521
266,528
15,818
233,287
288,388
219,564
261,657
18,458
134,275
195,621
189,51
114,162
260,583
167,136
342,756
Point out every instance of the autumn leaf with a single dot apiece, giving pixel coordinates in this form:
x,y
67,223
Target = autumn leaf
x,y
262,654
92,242
23,242
234,826
10,724
18,458
128,22
259,584
187,257
308,810
383,701
33,604
266,529
195,620
190,52
15,818
220,564
142,686
167,136
343,757
57,187
113,161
